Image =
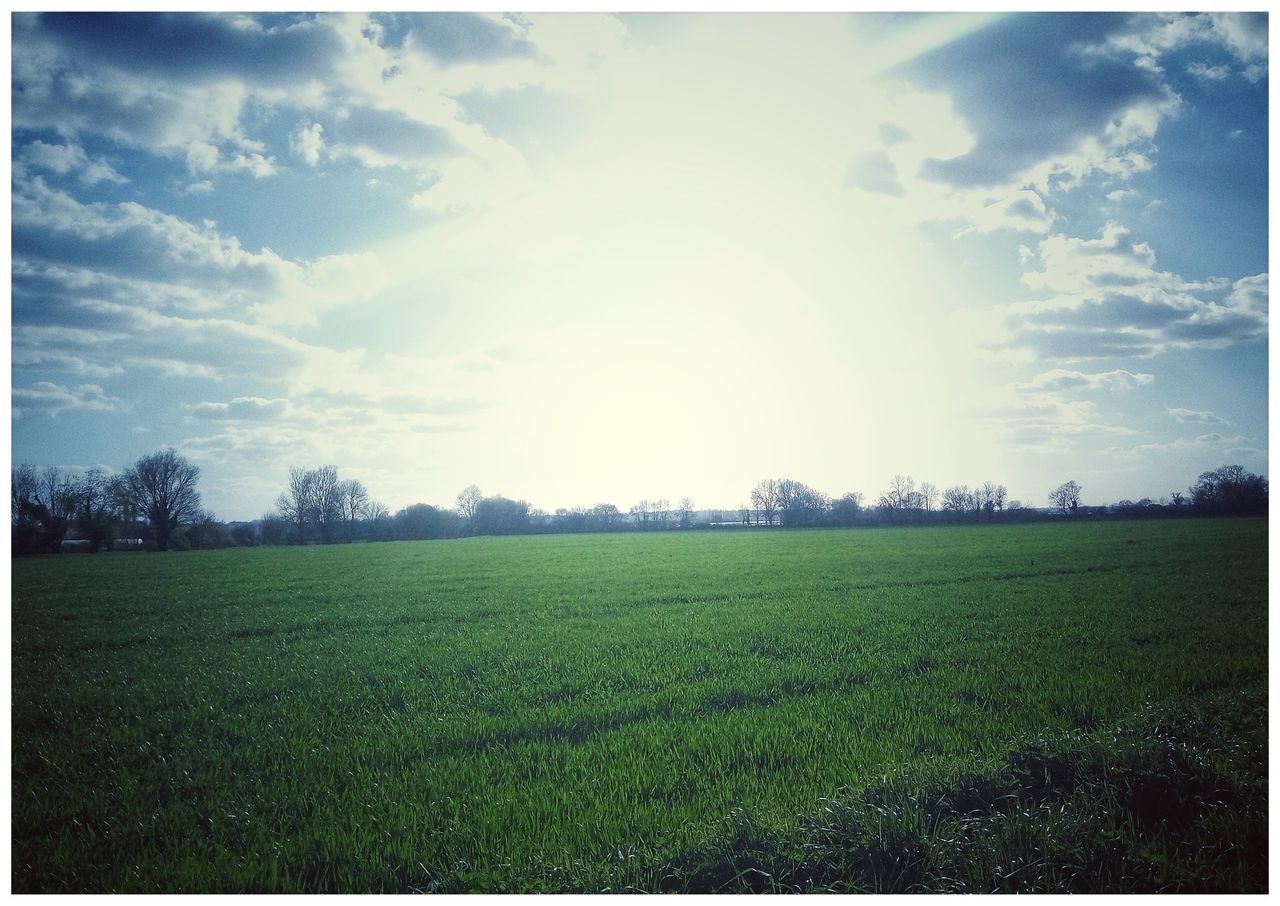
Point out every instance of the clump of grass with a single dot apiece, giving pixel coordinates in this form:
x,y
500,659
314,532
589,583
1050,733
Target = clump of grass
x,y
1162,803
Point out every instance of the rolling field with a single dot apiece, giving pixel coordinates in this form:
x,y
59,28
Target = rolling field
x,y
1033,707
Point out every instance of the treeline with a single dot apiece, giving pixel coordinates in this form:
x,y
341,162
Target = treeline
x,y
154,503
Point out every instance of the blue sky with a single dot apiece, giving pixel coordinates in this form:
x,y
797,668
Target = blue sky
x,y
581,257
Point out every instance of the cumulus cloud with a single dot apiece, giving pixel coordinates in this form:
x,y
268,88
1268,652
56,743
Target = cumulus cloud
x,y
1062,379
205,47
51,226
1149,38
381,138
57,398
308,143
454,38
1192,416
997,75
1106,297
1225,444
243,408
70,158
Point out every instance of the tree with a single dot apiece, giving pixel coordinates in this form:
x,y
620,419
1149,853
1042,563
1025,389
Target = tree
x,y
928,496
1066,497
957,499
468,498
685,511
353,504
423,521
661,512
1230,491
605,517
845,510
801,504
326,501
989,499
294,503
95,520
162,487
501,516
38,513
764,497
313,502
901,499
378,518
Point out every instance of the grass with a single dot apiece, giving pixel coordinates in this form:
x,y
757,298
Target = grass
x,y
1038,707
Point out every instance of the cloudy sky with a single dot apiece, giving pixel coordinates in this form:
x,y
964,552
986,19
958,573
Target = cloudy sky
x,y
579,257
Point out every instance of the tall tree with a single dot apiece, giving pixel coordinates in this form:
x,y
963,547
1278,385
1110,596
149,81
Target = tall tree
x,y
1066,497
353,504
764,497
468,498
162,487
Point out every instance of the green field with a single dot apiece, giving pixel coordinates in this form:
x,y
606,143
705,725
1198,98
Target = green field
x,y
1031,707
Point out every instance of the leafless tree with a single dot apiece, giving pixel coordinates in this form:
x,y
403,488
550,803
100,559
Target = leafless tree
x,y
605,516
957,499
661,512
685,511
294,503
353,500
326,502
928,496
1066,497
764,497
24,490
468,497
162,487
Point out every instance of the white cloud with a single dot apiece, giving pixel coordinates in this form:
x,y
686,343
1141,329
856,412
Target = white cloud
x,y
1106,298
307,142
1243,35
1208,73
1192,416
1061,379
71,158
57,398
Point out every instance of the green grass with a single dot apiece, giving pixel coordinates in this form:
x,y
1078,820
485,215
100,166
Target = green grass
x,y
1036,707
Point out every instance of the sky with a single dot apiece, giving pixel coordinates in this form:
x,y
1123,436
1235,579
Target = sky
x,y
578,257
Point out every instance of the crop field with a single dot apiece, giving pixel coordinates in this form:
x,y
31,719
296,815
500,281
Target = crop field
x,y
989,708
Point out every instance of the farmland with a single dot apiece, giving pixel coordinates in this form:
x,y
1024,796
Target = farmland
x,y
1035,707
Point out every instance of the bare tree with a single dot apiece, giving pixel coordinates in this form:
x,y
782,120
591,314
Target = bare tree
x,y
605,516
468,497
661,512
901,499
957,499
24,487
764,497
353,502
326,502
1066,497
685,511
162,487
294,503
801,504
928,496
640,514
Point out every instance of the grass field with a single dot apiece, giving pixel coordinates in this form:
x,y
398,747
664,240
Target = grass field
x,y
1032,707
